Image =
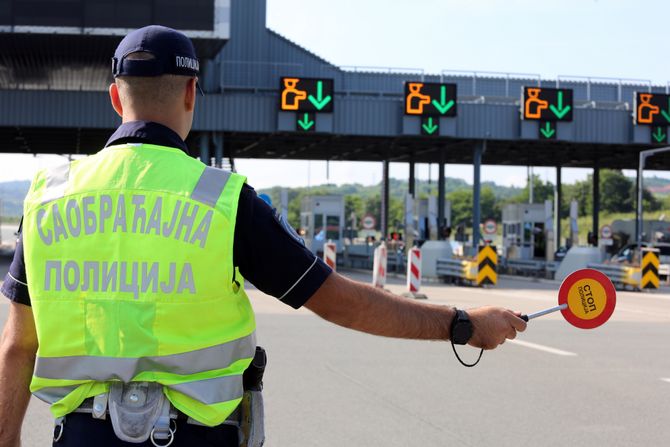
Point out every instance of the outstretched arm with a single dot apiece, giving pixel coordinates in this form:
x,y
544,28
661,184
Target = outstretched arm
x,y
18,347
364,308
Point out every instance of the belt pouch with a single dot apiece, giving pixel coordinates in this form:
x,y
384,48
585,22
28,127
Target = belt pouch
x,y
252,417
134,409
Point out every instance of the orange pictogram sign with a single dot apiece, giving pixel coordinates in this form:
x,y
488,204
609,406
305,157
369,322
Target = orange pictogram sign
x,y
310,95
534,105
646,110
415,100
430,99
291,95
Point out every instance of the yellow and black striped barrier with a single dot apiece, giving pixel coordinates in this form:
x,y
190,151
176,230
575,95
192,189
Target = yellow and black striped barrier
x,y
650,264
487,262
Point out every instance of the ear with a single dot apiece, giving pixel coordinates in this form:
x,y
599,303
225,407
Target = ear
x,y
189,99
115,99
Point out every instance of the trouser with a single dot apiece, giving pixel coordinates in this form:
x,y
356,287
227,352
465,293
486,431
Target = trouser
x,y
81,430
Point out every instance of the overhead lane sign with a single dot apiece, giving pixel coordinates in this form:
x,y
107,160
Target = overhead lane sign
x,y
430,126
306,95
652,109
547,104
306,122
430,99
659,134
548,130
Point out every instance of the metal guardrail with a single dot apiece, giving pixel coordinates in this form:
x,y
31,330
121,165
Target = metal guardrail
x,y
551,267
530,267
396,261
459,269
621,275
615,272
525,266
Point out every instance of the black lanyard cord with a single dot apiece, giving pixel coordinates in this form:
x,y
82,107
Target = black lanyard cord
x,y
462,362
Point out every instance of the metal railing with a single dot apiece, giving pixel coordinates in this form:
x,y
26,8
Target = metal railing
x,y
255,75
264,75
488,75
591,81
383,70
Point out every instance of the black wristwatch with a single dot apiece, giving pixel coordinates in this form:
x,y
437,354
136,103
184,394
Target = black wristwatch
x,y
461,328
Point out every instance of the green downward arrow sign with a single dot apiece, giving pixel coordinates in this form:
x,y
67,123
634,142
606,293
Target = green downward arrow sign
x,y
560,111
659,135
443,106
547,131
429,127
320,101
665,114
305,122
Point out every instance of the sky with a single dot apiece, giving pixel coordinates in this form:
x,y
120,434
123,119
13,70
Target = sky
x,y
593,38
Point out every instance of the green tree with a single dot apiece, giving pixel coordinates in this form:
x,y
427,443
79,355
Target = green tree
x,y
615,192
353,203
649,201
582,192
462,205
541,191
489,206
396,214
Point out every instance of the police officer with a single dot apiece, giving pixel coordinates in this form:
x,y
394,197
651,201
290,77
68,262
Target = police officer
x,y
128,312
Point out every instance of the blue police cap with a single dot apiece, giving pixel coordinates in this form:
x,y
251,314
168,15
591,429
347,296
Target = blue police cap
x,y
172,51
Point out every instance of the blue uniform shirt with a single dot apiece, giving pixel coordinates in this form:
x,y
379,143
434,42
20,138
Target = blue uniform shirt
x,y
266,250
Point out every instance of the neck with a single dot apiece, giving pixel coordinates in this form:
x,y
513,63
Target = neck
x,y
168,121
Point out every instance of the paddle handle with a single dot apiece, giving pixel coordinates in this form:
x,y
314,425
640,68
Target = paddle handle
x,y
543,312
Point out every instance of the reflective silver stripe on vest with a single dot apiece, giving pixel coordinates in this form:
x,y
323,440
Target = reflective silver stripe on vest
x,y
102,369
53,395
210,185
57,178
212,391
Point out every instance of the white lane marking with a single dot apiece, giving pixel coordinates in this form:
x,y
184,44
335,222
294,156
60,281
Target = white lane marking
x,y
665,379
541,348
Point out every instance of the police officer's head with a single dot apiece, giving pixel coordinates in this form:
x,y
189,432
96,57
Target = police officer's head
x,y
155,77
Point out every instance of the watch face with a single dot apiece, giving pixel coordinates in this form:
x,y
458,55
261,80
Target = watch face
x,y
461,330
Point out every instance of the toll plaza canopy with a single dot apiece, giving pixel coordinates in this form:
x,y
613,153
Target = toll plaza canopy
x,y
267,97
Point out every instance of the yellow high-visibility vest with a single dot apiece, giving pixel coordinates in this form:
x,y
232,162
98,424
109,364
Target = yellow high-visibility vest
x,y
129,259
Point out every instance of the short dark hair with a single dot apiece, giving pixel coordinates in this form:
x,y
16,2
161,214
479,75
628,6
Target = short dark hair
x,y
140,92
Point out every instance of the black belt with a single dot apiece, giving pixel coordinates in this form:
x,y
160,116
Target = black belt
x,y
87,407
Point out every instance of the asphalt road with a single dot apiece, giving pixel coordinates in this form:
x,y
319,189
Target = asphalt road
x,y
7,234
556,386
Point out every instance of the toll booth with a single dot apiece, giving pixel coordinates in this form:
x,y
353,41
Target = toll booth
x,y
426,214
321,220
421,217
524,230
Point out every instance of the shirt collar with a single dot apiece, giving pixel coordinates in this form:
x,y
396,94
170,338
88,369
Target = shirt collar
x,y
147,132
